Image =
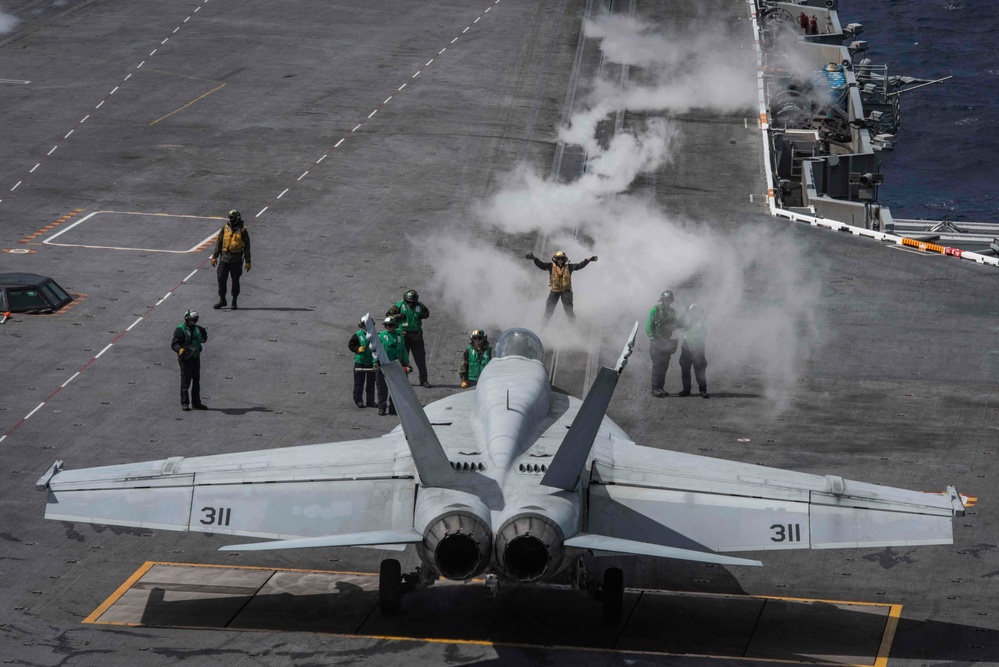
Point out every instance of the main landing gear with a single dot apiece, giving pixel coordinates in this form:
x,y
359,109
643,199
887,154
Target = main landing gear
x,y
609,593
393,584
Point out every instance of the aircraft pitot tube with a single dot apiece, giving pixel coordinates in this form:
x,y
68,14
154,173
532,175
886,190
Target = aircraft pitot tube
x,y
459,542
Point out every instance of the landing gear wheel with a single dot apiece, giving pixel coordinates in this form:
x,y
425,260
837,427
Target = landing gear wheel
x,y
613,595
390,586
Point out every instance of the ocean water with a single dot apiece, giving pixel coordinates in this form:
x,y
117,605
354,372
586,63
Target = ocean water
x,y
946,161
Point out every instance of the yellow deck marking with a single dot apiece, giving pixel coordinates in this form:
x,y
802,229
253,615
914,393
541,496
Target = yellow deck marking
x,y
46,228
187,105
881,660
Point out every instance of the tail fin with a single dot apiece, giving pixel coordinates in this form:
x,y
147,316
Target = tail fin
x,y
570,459
431,462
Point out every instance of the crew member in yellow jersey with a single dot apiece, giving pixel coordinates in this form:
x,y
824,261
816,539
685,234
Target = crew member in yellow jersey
x,y
560,280
232,249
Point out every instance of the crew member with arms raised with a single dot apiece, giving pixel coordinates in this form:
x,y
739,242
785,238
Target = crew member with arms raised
x,y
188,338
410,313
560,272
232,250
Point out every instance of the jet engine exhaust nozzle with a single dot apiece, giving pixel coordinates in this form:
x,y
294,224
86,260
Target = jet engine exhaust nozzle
x,y
459,545
529,546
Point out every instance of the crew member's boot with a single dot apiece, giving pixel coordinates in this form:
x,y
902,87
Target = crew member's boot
x,y
235,306
221,302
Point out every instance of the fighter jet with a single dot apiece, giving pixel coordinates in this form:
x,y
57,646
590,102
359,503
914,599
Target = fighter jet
x,y
511,480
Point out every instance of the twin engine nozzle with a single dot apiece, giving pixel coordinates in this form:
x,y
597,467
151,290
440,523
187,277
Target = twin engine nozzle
x,y
460,546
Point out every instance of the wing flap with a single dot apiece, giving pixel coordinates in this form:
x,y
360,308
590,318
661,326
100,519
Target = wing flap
x,y
619,546
378,538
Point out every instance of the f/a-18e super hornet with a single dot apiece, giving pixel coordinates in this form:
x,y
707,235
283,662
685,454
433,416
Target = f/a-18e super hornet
x,y
511,480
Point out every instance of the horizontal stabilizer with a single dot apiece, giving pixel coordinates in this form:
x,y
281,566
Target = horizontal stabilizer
x,y
428,455
374,538
617,545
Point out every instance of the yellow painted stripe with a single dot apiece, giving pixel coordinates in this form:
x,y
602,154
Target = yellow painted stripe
x,y
186,105
889,636
118,593
257,567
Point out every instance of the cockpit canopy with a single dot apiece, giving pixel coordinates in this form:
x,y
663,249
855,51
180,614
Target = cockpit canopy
x,y
519,343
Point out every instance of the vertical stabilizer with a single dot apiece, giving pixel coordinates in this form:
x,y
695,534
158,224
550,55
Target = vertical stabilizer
x,y
431,462
570,459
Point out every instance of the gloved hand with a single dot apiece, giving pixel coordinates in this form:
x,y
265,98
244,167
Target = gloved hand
x,y
180,352
593,259
247,267
361,348
530,255
464,384
214,261
407,369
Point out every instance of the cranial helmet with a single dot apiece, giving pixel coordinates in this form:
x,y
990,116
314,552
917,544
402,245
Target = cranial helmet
x,y
478,334
666,297
389,323
411,296
360,323
560,257
234,216
191,316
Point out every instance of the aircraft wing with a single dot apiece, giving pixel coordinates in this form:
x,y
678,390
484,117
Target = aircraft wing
x,y
700,504
345,488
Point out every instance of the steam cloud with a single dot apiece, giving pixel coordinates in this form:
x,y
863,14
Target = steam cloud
x,y
642,250
7,22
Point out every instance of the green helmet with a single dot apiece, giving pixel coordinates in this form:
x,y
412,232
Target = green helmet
x,y
234,216
411,296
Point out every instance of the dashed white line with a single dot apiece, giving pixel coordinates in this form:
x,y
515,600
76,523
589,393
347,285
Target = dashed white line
x,y
152,52
15,186
487,9
103,351
53,150
466,30
187,19
372,113
197,9
324,157
72,377
387,99
175,30
165,297
428,62
2,438
261,212
454,40
35,167
283,192
165,40
114,91
84,119
417,74
99,105
304,174
400,87
336,145
132,325
127,77
140,64
190,275
442,50
476,20
35,410
356,127
68,133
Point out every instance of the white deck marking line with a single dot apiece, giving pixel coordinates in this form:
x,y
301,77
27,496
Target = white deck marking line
x,y
84,119
487,9
187,19
140,64
454,40
335,145
356,128
132,325
476,20
35,167
189,276
387,99
197,9
442,50
52,151
417,74
71,378
304,174
100,105
115,90
127,77
152,52
2,438
35,410
165,40
105,349
324,157
466,30
261,212
175,30
283,193
68,133
15,186
400,88
428,62
372,113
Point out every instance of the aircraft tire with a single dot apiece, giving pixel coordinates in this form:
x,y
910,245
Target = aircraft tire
x,y
613,595
390,586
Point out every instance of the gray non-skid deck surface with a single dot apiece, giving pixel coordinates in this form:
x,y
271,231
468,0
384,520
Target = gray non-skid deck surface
x,y
170,595
900,388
